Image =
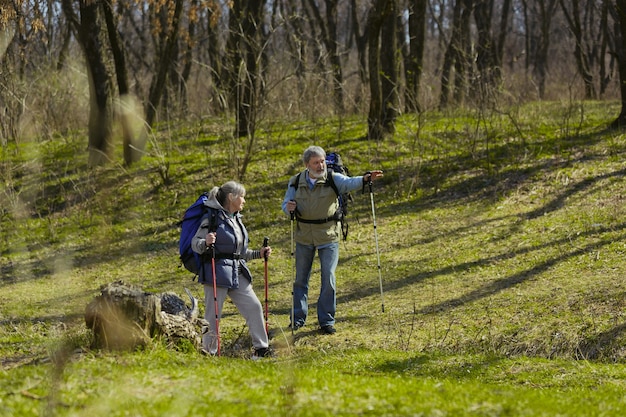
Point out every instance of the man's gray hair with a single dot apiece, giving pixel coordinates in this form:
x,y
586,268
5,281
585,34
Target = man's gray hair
x,y
312,151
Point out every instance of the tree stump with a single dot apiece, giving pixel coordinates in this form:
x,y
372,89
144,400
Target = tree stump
x,y
124,317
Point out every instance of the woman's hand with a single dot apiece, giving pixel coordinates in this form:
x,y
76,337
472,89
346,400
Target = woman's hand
x,y
266,251
210,239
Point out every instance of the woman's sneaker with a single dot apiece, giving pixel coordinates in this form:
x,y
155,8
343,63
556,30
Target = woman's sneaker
x,y
262,353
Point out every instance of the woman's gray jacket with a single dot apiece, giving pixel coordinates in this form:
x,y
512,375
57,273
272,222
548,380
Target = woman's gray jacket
x,y
231,249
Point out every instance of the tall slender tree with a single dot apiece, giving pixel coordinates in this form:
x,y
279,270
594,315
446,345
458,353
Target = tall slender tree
x,y
389,68
131,145
91,31
620,13
582,59
538,18
456,55
377,124
489,67
414,57
328,29
169,15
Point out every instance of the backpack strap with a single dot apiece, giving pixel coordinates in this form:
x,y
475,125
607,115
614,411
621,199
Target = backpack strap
x,y
296,182
330,181
212,229
341,212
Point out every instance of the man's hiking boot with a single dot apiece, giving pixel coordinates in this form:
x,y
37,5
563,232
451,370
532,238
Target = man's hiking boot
x,y
295,326
328,329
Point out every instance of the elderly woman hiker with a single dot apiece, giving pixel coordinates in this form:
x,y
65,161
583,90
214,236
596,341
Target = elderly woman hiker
x,y
225,246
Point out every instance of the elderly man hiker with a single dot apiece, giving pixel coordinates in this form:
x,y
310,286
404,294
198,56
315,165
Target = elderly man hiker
x,y
314,205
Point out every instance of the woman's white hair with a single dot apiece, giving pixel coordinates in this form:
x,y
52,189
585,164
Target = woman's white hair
x,y
228,188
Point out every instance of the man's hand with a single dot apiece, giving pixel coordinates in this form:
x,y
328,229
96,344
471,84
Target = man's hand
x,y
291,206
372,176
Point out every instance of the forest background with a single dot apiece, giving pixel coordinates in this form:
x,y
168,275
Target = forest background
x,y
505,295
137,63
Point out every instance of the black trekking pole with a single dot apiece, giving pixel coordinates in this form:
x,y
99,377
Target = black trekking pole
x,y
266,242
217,318
380,277
293,288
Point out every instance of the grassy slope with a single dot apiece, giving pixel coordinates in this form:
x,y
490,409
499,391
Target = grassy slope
x,y
501,239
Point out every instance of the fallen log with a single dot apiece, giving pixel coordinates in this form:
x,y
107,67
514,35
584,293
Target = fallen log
x,y
125,317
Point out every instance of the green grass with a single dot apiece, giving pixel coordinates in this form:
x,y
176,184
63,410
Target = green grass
x,y
501,242
353,382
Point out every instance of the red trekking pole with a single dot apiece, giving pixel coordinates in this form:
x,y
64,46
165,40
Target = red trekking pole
x,y
293,288
217,318
265,244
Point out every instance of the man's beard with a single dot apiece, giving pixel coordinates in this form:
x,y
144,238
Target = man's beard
x,y
316,175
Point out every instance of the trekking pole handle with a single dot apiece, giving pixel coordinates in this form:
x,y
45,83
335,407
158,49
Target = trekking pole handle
x,y
211,247
266,242
368,182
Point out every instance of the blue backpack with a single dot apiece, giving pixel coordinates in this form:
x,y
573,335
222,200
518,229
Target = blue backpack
x,y
335,163
189,226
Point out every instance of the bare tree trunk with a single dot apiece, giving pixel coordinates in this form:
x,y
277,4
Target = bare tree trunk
x,y
164,61
329,38
454,53
389,68
489,68
608,44
219,75
67,37
296,43
413,63
247,39
573,20
504,29
376,16
187,60
620,7
132,147
463,56
92,37
538,15
361,42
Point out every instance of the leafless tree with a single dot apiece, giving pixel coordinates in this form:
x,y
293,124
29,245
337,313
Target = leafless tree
x,y
538,17
379,121
457,55
414,53
91,30
619,8
584,57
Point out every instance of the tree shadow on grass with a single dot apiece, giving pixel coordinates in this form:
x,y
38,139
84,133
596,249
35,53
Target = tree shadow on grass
x,y
601,345
556,203
492,287
559,200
